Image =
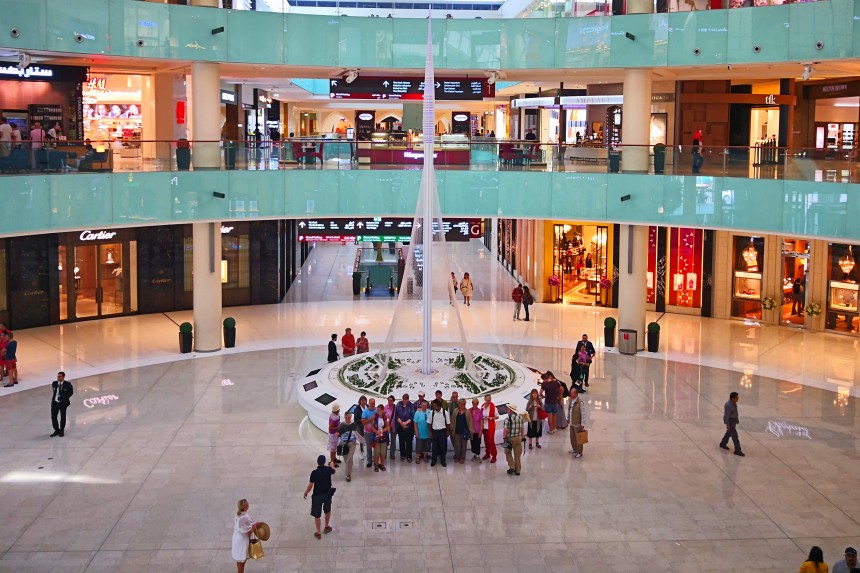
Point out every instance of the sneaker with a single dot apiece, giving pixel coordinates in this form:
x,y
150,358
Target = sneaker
x,y
361,456
510,472
444,465
577,455
432,464
741,454
724,447
369,464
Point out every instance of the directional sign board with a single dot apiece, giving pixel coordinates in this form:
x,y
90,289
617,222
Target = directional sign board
x,y
399,88
384,229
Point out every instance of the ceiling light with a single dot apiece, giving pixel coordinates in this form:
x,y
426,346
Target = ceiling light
x,y
494,77
846,262
351,76
807,72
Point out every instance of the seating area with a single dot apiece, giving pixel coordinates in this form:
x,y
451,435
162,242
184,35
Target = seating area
x,y
17,161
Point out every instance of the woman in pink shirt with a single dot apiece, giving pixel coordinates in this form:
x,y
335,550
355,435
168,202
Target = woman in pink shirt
x,y
478,420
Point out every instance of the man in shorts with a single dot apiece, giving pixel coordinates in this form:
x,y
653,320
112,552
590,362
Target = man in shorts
x,y
552,392
10,360
320,483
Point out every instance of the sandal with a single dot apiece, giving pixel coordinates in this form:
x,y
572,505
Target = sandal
x,y
383,468
530,446
376,469
317,535
327,529
348,478
539,446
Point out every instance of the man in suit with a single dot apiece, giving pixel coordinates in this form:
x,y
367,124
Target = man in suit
x,y
730,419
575,371
62,392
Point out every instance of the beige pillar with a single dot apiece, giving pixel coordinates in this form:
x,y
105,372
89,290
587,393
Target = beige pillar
x,y
632,269
162,110
640,6
636,121
206,115
209,3
207,286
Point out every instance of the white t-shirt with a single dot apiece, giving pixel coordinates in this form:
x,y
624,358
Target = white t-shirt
x,y
438,420
6,132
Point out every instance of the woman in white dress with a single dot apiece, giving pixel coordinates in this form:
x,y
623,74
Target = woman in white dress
x,y
242,528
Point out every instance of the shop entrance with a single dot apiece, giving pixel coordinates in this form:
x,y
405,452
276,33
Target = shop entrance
x,y
795,270
92,281
580,261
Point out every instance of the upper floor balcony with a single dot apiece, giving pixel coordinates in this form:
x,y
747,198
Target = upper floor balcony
x,y
796,32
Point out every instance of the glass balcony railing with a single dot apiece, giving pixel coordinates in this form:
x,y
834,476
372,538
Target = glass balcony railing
x,y
766,161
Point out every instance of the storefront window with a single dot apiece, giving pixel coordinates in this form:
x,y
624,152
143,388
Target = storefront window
x,y
747,277
580,255
235,261
842,289
685,267
795,270
651,273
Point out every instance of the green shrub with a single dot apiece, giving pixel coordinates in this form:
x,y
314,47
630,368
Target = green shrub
x,y
653,327
229,322
185,327
609,322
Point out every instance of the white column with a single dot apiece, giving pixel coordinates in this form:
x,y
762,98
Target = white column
x,y
636,121
632,269
494,237
207,286
206,115
541,286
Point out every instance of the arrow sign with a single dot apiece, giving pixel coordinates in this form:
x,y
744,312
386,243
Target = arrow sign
x,y
302,224
334,82
385,83
438,84
360,224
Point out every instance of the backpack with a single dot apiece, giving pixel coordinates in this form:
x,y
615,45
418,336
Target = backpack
x,y
528,299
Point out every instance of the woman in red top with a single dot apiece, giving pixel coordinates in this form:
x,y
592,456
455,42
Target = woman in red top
x,y
490,416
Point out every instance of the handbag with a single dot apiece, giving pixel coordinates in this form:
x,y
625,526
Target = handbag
x,y
542,415
582,437
255,549
343,449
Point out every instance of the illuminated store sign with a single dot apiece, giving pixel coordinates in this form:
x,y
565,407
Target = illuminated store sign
x,y
45,72
31,72
228,97
98,236
393,229
365,87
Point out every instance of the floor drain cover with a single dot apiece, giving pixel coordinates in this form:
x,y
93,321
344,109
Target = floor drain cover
x,y
378,525
407,525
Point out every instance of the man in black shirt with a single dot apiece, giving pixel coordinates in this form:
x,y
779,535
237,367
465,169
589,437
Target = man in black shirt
x,y
320,482
332,349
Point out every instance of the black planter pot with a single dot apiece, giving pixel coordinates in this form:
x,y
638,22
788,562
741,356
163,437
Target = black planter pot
x,y
185,340
183,158
653,341
356,282
229,337
609,336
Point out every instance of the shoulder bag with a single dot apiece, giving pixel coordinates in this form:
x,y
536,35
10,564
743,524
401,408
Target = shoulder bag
x,y
343,448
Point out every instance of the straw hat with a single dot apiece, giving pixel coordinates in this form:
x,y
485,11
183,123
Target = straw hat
x,y
335,408
512,408
263,531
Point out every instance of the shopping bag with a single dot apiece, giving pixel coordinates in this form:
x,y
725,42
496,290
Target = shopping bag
x,y
542,415
582,437
255,549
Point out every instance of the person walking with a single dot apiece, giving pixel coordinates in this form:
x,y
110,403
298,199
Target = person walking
x,y
490,417
357,412
404,412
517,296
10,360
698,160
333,425
534,407
5,138
62,391
421,421
347,343
731,420
332,349
439,422
552,391
847,564
797,297
462,429
528,300
243,527
466,288
320,483
477,426
578,416
362,345
454,282
348,433
815,562
380,424
513,435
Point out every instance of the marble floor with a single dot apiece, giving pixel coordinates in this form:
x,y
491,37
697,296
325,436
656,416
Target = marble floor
x,y
159,447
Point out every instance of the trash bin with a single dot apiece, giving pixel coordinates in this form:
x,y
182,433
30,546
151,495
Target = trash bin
x,y
659,158
626,341
614,161
357,278
230,155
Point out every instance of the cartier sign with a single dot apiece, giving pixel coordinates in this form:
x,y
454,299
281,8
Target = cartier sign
x,y
97,236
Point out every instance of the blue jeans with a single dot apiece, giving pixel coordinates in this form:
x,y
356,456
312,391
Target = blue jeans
x,y
697,162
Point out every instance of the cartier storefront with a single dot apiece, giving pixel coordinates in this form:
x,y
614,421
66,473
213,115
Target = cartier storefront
x,y
100,273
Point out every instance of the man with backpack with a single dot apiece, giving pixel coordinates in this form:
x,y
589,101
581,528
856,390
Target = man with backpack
x,y
439,422
517,296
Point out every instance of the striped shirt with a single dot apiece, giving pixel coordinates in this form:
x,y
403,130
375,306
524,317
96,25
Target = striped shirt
x,y
514,425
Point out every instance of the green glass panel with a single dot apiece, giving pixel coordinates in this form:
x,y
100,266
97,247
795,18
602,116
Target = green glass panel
x,y
84,20
749,204
380,202
366,42
481,199
256,194
145,22
528,43
191,35
404,187
768,28
30,18
579,196
826,22
141,198
705,31
856,19
650,47
193,197
81,200
815,209
472,44
583,42
646,198
410,43
852,214
692,200
304,33
524,194
243,24
312,193
29,198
